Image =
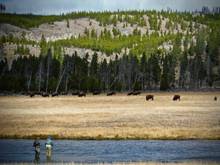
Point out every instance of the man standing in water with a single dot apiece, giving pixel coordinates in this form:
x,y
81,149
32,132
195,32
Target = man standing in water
x,y
36,146
49,145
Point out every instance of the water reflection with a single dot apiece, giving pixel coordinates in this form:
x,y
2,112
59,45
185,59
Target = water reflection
x,y
37,157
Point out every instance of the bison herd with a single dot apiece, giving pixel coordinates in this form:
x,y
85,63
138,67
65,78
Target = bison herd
x,y
149,97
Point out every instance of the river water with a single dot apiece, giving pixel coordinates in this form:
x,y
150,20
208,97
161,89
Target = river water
x,y
112,151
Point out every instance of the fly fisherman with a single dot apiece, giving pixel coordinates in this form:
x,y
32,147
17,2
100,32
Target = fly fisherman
x,y
36,146
49,145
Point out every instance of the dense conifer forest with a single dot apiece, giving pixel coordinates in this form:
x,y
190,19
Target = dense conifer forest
x,y
179,50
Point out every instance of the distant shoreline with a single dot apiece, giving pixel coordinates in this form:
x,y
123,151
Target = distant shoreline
x,y
205,90
100,138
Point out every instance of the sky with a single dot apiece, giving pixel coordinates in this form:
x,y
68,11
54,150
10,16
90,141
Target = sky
x,y
47,7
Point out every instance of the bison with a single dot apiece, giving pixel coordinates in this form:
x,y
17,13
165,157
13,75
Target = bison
x,y
176,97
96,93
32,94
82,94
45,94
130,93
76,93
111,93
149,97
55,94
136,93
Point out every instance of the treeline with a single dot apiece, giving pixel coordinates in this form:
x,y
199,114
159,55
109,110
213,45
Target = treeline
x,y
108,17
155,72
144,68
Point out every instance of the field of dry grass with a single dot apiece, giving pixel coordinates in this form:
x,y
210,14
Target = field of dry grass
x,y
196,116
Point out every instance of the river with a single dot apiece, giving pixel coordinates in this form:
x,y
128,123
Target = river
x,y
113,151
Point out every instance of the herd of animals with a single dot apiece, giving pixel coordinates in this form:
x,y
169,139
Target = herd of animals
x,y
149,97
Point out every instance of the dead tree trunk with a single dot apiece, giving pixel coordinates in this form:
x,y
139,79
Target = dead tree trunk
x,y
48,72
60,79
66,83
40,72
29,82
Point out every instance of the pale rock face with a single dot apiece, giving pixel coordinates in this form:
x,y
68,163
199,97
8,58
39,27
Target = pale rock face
x,y
59,30
167,46
34,50
146,18
194,40
6,29
8,50
81,52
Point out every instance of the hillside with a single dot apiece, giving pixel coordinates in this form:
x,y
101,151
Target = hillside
x,y
127,50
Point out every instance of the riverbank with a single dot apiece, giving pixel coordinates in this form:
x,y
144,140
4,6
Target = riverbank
x,y
120,117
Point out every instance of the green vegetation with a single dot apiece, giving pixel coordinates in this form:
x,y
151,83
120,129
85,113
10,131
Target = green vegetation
x,y
192,60
111,45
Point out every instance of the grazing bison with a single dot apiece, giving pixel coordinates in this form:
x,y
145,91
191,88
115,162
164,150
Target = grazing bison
x,y
176,97
82,94
136,93
45,94
32,94
111,93
150,97
215,98
130,93
76,93
96,93
55,94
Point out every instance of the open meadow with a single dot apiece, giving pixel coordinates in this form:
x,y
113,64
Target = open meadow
x,y
196,116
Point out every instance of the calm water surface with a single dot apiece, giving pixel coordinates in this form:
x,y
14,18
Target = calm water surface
x,y
112,151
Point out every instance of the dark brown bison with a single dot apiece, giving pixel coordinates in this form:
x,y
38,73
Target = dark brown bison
x,y
215,98
55,94
176,97
32,94
111,93
136,93
130,93
82,94
76,93
45,94
150,97
96,93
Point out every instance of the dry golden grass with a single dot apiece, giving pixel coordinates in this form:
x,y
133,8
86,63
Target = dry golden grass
x,y
196,116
